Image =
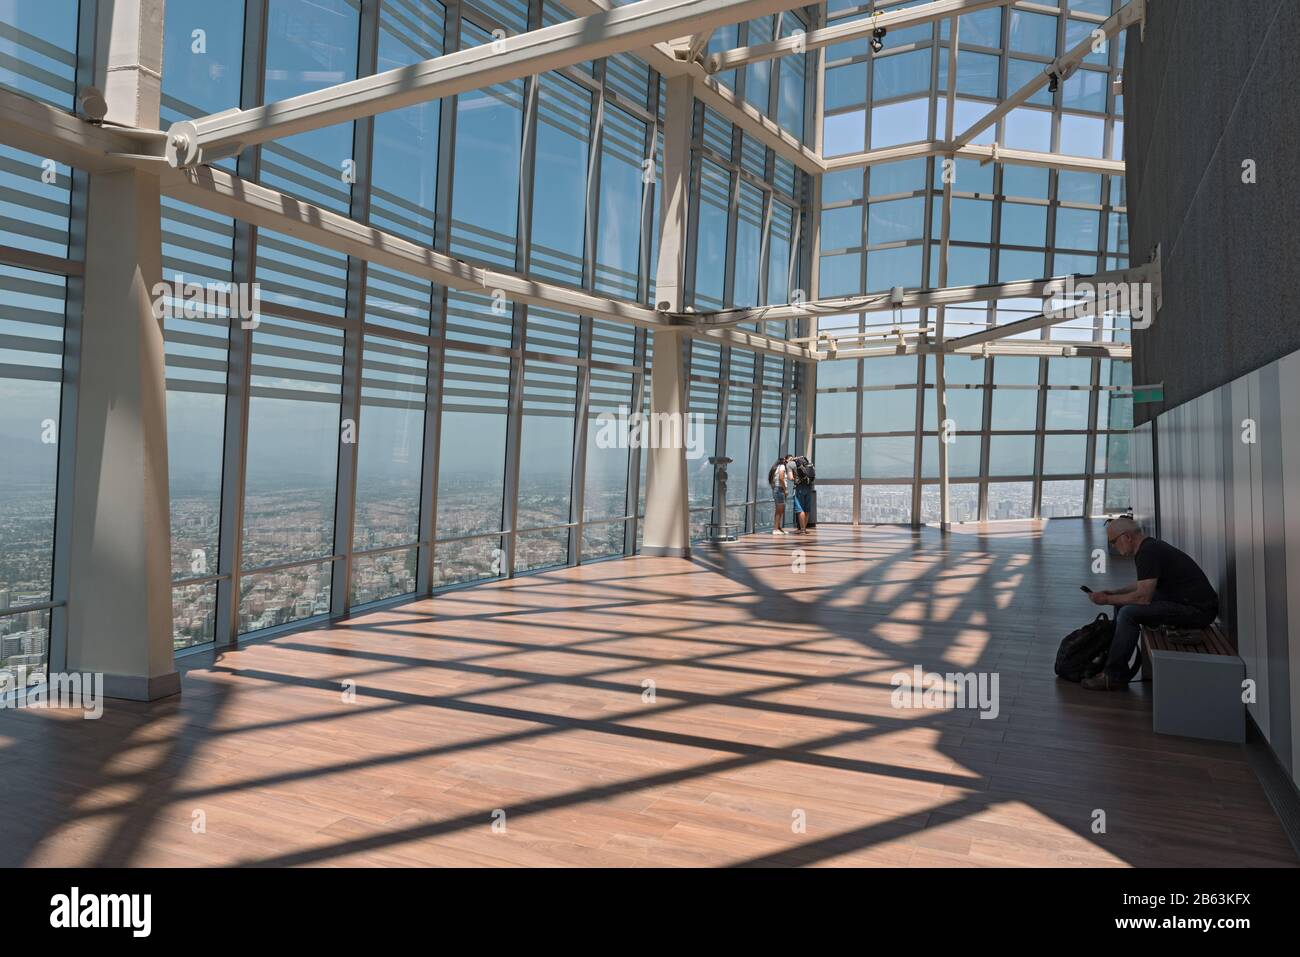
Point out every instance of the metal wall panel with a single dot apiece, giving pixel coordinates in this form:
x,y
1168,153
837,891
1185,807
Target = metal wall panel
x,y
1229,495
1273,544
1289,396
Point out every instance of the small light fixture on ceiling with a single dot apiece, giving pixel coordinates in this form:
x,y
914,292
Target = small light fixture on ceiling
x,y
1053,82
878,39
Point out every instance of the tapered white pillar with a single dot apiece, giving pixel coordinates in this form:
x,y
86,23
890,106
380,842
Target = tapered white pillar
x,y
667,516
119,578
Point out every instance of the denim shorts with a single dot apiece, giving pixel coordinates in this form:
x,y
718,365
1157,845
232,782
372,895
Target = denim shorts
x,y
778,496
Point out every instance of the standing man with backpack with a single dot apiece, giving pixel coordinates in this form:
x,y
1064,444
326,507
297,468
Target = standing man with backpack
x,y
804,476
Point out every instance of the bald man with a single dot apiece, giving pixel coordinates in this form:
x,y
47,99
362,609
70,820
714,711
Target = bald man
x,y
1171,590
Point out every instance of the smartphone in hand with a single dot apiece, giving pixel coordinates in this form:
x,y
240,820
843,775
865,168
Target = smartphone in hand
x,y
1085,588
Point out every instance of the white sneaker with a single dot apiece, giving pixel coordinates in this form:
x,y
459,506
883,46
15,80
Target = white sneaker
x,y
777,531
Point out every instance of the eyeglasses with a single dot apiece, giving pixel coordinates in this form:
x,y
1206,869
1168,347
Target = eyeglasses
x,y
1112,541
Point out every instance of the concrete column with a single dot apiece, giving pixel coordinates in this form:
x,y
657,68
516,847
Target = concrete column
x,y
667,518
119,597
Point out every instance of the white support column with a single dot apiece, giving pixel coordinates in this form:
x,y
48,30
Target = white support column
x,y
940,383
119,598
667,519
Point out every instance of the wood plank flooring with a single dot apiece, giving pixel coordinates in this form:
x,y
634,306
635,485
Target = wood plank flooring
x,y
723,710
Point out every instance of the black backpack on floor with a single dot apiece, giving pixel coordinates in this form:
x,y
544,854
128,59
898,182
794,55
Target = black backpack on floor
x,y
1083,652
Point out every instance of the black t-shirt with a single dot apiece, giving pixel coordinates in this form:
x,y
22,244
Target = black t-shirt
x,y
1178,577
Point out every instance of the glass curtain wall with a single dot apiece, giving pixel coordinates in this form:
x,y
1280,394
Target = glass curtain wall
x,y
1031,436
357,434
40,266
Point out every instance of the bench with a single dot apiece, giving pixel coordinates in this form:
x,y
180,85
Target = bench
x,y
1196,684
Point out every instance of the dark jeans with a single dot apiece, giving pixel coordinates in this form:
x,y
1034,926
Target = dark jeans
x,y
1130,618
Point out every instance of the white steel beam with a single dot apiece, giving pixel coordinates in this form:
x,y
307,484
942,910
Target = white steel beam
x,y
1031,347
597,35
732,108
722,100
814,39
1019,327
1061,68
984,153
993,153
46,131
221,192
224,193
923,298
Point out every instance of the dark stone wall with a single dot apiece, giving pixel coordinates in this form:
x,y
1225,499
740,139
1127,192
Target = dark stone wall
x,y
1215,82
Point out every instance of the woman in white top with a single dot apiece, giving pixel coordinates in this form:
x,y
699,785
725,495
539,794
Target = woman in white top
x,y
778,476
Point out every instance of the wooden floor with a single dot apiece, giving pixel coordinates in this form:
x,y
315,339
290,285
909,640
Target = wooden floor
x,y
513,724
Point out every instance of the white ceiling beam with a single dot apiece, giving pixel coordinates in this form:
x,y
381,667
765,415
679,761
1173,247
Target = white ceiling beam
x,y
46,131
597,35
1104,350
1017,328
224,193
815,39
722,100
732,108
1061,68
983,153
930,298
993,153
227,194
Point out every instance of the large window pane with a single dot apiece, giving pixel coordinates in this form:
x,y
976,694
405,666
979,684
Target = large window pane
x,y
546,435
560,180
31,311
404,167
293,444
471,461
618,247
197,247
485,188
391,444
311,44
711,239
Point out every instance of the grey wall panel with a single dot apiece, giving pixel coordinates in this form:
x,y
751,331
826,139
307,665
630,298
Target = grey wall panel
x,y
1259,577
1212,498
1243,584
1275,572
1234,506
1144,498
1228,577
1169,510
1289,392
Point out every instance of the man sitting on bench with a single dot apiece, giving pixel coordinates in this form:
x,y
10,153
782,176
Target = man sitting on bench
x,y
1171,590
